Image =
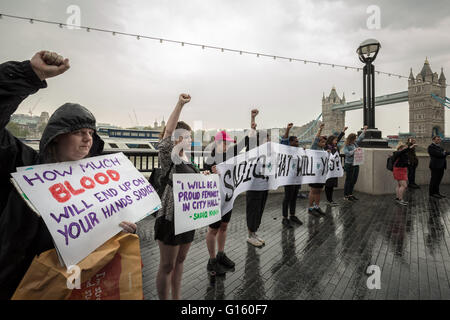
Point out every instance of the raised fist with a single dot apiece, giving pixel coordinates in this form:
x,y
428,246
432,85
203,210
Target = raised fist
x,y
255,112
322,125
184,98
290,125
48,64
345,128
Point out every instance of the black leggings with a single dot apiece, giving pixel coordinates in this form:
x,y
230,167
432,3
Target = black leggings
x,y
329,193
290,199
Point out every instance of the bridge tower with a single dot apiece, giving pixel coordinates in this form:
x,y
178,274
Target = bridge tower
x,y
426,115
334,120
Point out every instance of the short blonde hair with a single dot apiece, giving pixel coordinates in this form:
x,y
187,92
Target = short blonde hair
x,y
401,146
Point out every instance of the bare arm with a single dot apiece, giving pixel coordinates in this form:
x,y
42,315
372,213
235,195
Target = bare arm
x,y
288,129
320,129
173,119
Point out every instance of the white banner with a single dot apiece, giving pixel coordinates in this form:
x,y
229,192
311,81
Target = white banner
x,y
83,202
358,157
272,165
196,201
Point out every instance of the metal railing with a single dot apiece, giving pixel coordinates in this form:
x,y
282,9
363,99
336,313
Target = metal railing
x,y
147,160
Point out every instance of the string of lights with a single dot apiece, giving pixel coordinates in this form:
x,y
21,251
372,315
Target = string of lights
x,y
203,46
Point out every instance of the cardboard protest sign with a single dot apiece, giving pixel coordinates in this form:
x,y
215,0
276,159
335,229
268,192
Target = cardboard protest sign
x,y
112,272
272,165
196,201
83,202
358,157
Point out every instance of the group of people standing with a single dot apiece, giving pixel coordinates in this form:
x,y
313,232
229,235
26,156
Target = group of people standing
x,y
71,135
174,248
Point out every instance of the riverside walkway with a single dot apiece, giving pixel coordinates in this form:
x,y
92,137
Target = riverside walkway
x,y
325,258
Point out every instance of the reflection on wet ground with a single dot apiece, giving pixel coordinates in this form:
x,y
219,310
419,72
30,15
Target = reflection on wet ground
x,y
325,258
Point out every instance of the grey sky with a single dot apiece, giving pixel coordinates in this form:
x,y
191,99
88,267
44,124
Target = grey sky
x,y
114,75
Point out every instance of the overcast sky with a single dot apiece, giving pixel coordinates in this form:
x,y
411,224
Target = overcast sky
x,y
114,75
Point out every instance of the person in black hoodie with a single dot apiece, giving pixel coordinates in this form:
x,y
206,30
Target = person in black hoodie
x,y
69,135
413,163
438,163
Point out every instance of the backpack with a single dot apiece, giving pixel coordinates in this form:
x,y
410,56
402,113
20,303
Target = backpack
x,y
390,163
160,182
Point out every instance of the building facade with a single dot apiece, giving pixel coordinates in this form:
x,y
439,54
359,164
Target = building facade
x,y
334,120
426,115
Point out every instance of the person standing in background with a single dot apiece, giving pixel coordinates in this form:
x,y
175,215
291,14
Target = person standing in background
x,y
351,171
438,163
413,163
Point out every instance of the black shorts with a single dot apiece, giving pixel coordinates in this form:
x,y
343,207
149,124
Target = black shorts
x,y
225,218
317,185
165,232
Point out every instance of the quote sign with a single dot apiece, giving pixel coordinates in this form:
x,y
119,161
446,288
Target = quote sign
x,y
83,202
196,201
358,157
273,165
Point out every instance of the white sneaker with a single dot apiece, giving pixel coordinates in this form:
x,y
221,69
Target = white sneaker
x,y
259,239
254,241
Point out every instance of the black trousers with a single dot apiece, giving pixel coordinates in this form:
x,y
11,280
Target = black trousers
x,y
412,174
329,193
290,199
256,201
435,181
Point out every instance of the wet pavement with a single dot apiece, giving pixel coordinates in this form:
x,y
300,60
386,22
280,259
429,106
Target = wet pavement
x,y
325,258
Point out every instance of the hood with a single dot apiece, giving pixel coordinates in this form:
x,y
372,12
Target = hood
x,y
68,118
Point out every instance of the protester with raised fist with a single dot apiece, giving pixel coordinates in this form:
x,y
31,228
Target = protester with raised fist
x,y
290,191
255,200
331,183
351,171
173,248
314,209
70,135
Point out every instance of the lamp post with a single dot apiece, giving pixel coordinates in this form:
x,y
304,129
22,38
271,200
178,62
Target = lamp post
x,y
367,52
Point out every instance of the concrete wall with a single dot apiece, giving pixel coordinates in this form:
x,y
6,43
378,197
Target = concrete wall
x,y
374,178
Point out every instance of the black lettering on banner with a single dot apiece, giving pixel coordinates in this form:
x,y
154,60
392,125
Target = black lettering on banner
x,y
227,185
324,165
263,165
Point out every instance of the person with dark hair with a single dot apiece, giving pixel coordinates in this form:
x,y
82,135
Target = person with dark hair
x,y
351,171
70,135
173,248
413,163
314,209
290,191
400,170
331,183
438,164
255,199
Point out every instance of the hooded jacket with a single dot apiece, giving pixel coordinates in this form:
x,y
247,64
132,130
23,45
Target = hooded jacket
x,y
23,234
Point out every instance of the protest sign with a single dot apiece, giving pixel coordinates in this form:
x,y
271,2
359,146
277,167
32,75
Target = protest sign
x,y
358,157
83,202
196,201
272,165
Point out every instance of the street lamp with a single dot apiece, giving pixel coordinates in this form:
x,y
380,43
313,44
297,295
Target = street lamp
x,y
367,52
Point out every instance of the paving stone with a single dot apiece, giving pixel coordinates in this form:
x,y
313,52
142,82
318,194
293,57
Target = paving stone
x,y
325,258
